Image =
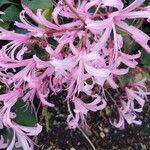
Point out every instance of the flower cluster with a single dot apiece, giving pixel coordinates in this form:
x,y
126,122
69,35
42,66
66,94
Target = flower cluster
x,y
81,51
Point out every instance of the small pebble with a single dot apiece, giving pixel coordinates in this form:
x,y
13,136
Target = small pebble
x,y
115,132
61,115
148,126
102,134
78,143
72,148
54,123
106,130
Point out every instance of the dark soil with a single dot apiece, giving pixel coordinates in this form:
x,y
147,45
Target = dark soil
x,y
103,135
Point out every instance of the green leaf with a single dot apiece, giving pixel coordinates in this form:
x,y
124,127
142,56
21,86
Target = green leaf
x,y
145,58
147,2
129,21
7,133
128,43
41,53
4,25
25,2
11,14
2,89
25,115
3,2
38,4
48,116
108,111
48,14
19,30
126,78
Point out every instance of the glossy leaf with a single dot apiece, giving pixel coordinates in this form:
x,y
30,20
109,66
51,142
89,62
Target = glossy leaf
x,y
38,4
25,115
11,14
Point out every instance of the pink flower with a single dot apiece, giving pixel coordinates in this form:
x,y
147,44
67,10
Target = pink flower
x,y
38,18
11,97
116,19
129,116
43,94
128,60
81,110
20,132
17,41
84,55
136,93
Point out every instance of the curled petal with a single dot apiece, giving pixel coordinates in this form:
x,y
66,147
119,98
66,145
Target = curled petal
x,y
139,36
43,100
112,82
137,14
2,144
91,4
98,104
97,72
73,121
113,3
30,13
97,27
55,14
120,124
24,142
133,96
120,71
133,6
31,131
102,41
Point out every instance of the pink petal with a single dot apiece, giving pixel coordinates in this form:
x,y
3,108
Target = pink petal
x,y
97,72
31,131
139,36
2,144
43,100
30,13
112,83
97,27
101,43
113,3
137,14
91,4
25,142
55,14
120,71
133,6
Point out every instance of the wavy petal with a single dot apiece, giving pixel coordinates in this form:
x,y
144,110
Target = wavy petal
x,y
139,36
113,3
133,6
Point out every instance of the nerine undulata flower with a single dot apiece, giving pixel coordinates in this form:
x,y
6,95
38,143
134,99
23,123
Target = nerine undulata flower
x,y
20,133
132,103
82,56
117,19
81,110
